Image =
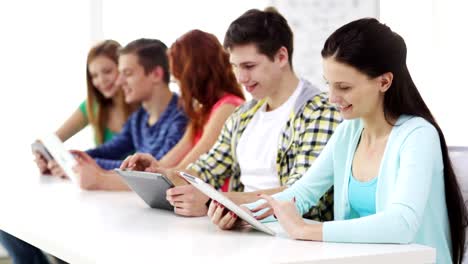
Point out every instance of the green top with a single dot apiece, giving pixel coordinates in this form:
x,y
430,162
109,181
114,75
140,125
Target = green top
x,y
108,134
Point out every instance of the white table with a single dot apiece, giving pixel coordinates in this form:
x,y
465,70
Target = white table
x,y
118,227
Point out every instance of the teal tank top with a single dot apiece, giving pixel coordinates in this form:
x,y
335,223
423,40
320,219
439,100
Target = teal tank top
x,y
361,196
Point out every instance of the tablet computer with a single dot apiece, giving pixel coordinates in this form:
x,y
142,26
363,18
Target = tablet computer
x,y
37,146
151,187
209,191
60,154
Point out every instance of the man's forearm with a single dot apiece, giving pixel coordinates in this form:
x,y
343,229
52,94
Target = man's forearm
x,y
250,197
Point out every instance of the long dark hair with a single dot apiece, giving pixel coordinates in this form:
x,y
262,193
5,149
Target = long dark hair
x,y
374,49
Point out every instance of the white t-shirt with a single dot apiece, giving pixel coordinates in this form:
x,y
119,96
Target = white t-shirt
x,y
258,146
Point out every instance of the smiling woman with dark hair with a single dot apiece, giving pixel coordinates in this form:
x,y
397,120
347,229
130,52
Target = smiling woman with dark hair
x,y
388,161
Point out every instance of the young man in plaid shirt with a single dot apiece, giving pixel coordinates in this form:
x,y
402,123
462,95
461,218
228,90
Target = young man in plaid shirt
x,y
268,143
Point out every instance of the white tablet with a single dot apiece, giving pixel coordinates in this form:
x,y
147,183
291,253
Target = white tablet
x,y
209,191
37,146
61,155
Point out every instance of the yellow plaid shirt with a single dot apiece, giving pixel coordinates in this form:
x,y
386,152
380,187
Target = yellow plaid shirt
x,y
306,133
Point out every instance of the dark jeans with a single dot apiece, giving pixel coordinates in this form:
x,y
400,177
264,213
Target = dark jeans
x,y
20,251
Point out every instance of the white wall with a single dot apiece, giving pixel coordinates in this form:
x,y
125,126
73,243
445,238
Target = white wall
x,y
43,55
450,23
42,68
168,20
312,21
42,64
436,38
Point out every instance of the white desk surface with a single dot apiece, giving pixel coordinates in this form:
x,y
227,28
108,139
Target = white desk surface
x,y
118,227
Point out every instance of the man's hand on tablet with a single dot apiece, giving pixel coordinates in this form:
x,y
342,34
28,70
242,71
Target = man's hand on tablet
x,y
186,199
140,162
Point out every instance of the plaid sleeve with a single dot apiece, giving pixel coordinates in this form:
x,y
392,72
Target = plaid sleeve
x,y
315,129
217,164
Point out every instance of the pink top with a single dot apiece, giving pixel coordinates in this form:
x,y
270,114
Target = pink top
x,y
226,99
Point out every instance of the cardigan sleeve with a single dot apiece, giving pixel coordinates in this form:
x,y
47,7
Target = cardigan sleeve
x,y
316,180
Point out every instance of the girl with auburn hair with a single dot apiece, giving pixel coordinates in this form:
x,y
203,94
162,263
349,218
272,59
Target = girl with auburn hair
x,y
104,109
388,161
210,93
205,76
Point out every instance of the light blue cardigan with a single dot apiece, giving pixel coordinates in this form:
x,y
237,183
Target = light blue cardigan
x,y
410,196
